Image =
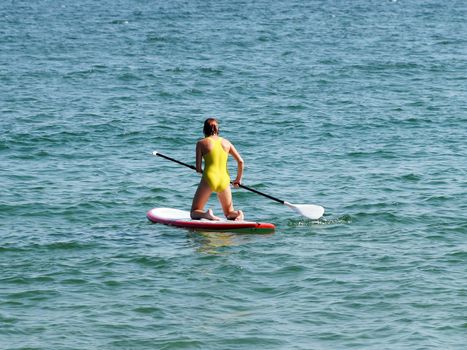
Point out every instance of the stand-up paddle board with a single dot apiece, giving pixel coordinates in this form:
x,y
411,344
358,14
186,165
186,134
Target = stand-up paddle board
x,y
181,218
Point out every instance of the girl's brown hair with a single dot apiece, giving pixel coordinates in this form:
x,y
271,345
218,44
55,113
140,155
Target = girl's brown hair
x,y
211,127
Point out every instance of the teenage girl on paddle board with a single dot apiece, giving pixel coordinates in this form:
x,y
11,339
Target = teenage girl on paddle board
x,y
215,150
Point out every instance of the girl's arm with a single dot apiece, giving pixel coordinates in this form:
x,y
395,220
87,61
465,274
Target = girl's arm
x,y
240,165
199,158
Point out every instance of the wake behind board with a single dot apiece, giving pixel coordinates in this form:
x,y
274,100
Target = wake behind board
x,y
181,218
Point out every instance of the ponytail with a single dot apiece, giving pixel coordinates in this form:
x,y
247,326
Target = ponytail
x,y
211,127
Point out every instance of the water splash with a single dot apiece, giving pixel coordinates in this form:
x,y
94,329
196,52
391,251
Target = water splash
x,y
344,219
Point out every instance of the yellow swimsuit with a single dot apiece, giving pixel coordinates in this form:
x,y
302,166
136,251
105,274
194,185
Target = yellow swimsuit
x,y
215,167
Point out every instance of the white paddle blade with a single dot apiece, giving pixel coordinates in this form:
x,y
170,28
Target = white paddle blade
x,y
154,153
310,211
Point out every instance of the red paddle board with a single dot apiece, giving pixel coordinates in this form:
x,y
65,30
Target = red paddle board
x,y
181,218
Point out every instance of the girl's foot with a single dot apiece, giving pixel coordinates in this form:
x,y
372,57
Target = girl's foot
x,y
236,215
199,214
210,216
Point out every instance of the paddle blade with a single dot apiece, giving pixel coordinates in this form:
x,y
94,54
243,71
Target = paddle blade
x,y
310,211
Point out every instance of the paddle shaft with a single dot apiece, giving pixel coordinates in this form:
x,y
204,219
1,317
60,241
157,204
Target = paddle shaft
x,y
240,185
176,161
261,193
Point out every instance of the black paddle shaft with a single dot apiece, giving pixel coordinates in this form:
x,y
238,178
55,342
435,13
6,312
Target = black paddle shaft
x,y
261,193
176,161
240,185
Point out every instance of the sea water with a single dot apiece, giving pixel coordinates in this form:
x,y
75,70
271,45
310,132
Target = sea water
x,y
358,106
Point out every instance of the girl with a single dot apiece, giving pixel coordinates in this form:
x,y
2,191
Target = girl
x,y
215,151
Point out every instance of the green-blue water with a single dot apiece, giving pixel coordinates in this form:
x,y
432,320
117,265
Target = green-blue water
x,y
359,106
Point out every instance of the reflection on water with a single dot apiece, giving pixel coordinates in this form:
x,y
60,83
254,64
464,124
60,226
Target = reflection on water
x,y
212,242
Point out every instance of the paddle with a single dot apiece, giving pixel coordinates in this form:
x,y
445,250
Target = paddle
x,y
310,211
